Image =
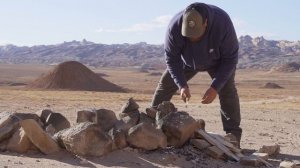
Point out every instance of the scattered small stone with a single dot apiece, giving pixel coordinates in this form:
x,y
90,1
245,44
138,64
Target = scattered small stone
x,y
250,161
37,160
263,156
84,162
287,164
270,149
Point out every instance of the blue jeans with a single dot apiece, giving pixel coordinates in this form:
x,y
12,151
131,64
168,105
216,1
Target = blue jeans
x,y
229,99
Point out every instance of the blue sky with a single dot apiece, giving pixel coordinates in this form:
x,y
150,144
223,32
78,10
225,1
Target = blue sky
x,y
32,22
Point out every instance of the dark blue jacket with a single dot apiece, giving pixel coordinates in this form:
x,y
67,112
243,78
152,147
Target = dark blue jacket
x,y
217,49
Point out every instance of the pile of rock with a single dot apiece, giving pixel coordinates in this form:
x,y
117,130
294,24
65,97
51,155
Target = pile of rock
x,y
97,132
21,132
100,132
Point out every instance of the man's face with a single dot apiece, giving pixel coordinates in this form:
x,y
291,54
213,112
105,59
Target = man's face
x,y
196,39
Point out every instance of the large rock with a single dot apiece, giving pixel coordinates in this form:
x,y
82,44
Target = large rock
x,y
50,130
43,114
144,118
19,142
86,139
151,112
58,121
128,120
201,124
10,121
118,137
4,114
146,136
165,108
39,137
105,119
130,106
178,127
25,116
86,116
3,145
8,124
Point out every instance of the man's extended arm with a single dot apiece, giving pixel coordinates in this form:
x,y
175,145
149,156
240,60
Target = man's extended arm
x,y
229,58
173,57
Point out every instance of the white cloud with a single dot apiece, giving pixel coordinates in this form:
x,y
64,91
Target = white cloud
x,y
2,43
158,22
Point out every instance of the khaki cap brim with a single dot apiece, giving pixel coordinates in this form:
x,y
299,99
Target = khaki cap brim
x,y
192,24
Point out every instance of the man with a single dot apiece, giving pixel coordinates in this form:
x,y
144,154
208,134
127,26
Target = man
x,y
202,38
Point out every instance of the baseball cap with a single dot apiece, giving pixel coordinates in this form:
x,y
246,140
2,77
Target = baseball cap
x,y
192,24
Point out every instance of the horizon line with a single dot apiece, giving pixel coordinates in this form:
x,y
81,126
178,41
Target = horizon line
x,y
87,41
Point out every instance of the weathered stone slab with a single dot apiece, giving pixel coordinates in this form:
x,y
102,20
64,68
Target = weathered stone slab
x,y
200,143
86,116
19,142
39,137
58,121
8,124
215,152
165,108
86,139
43,114
178,127
146,136
144,118
118,137
105,119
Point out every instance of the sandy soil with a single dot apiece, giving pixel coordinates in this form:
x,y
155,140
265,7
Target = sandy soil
x,y
268,116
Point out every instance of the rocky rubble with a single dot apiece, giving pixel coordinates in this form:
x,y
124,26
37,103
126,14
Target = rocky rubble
x,y
100,132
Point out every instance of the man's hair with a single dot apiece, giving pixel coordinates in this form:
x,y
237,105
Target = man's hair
x,y
200,8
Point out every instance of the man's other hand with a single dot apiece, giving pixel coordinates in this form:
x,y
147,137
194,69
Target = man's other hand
x,y
185,94
209,96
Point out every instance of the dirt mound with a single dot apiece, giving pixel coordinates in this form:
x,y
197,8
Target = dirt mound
x,y
271,85
73,75
288,67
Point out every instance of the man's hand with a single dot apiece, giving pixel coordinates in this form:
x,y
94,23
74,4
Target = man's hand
x,y
209,96
185,94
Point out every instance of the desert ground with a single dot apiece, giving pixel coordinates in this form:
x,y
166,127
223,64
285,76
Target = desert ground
x,y
269,116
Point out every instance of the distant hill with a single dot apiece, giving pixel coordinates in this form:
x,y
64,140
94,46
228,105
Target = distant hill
x,y
264,54
254,53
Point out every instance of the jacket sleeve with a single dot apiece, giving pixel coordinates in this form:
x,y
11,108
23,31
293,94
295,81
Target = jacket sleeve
x,y
229,57
173,49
